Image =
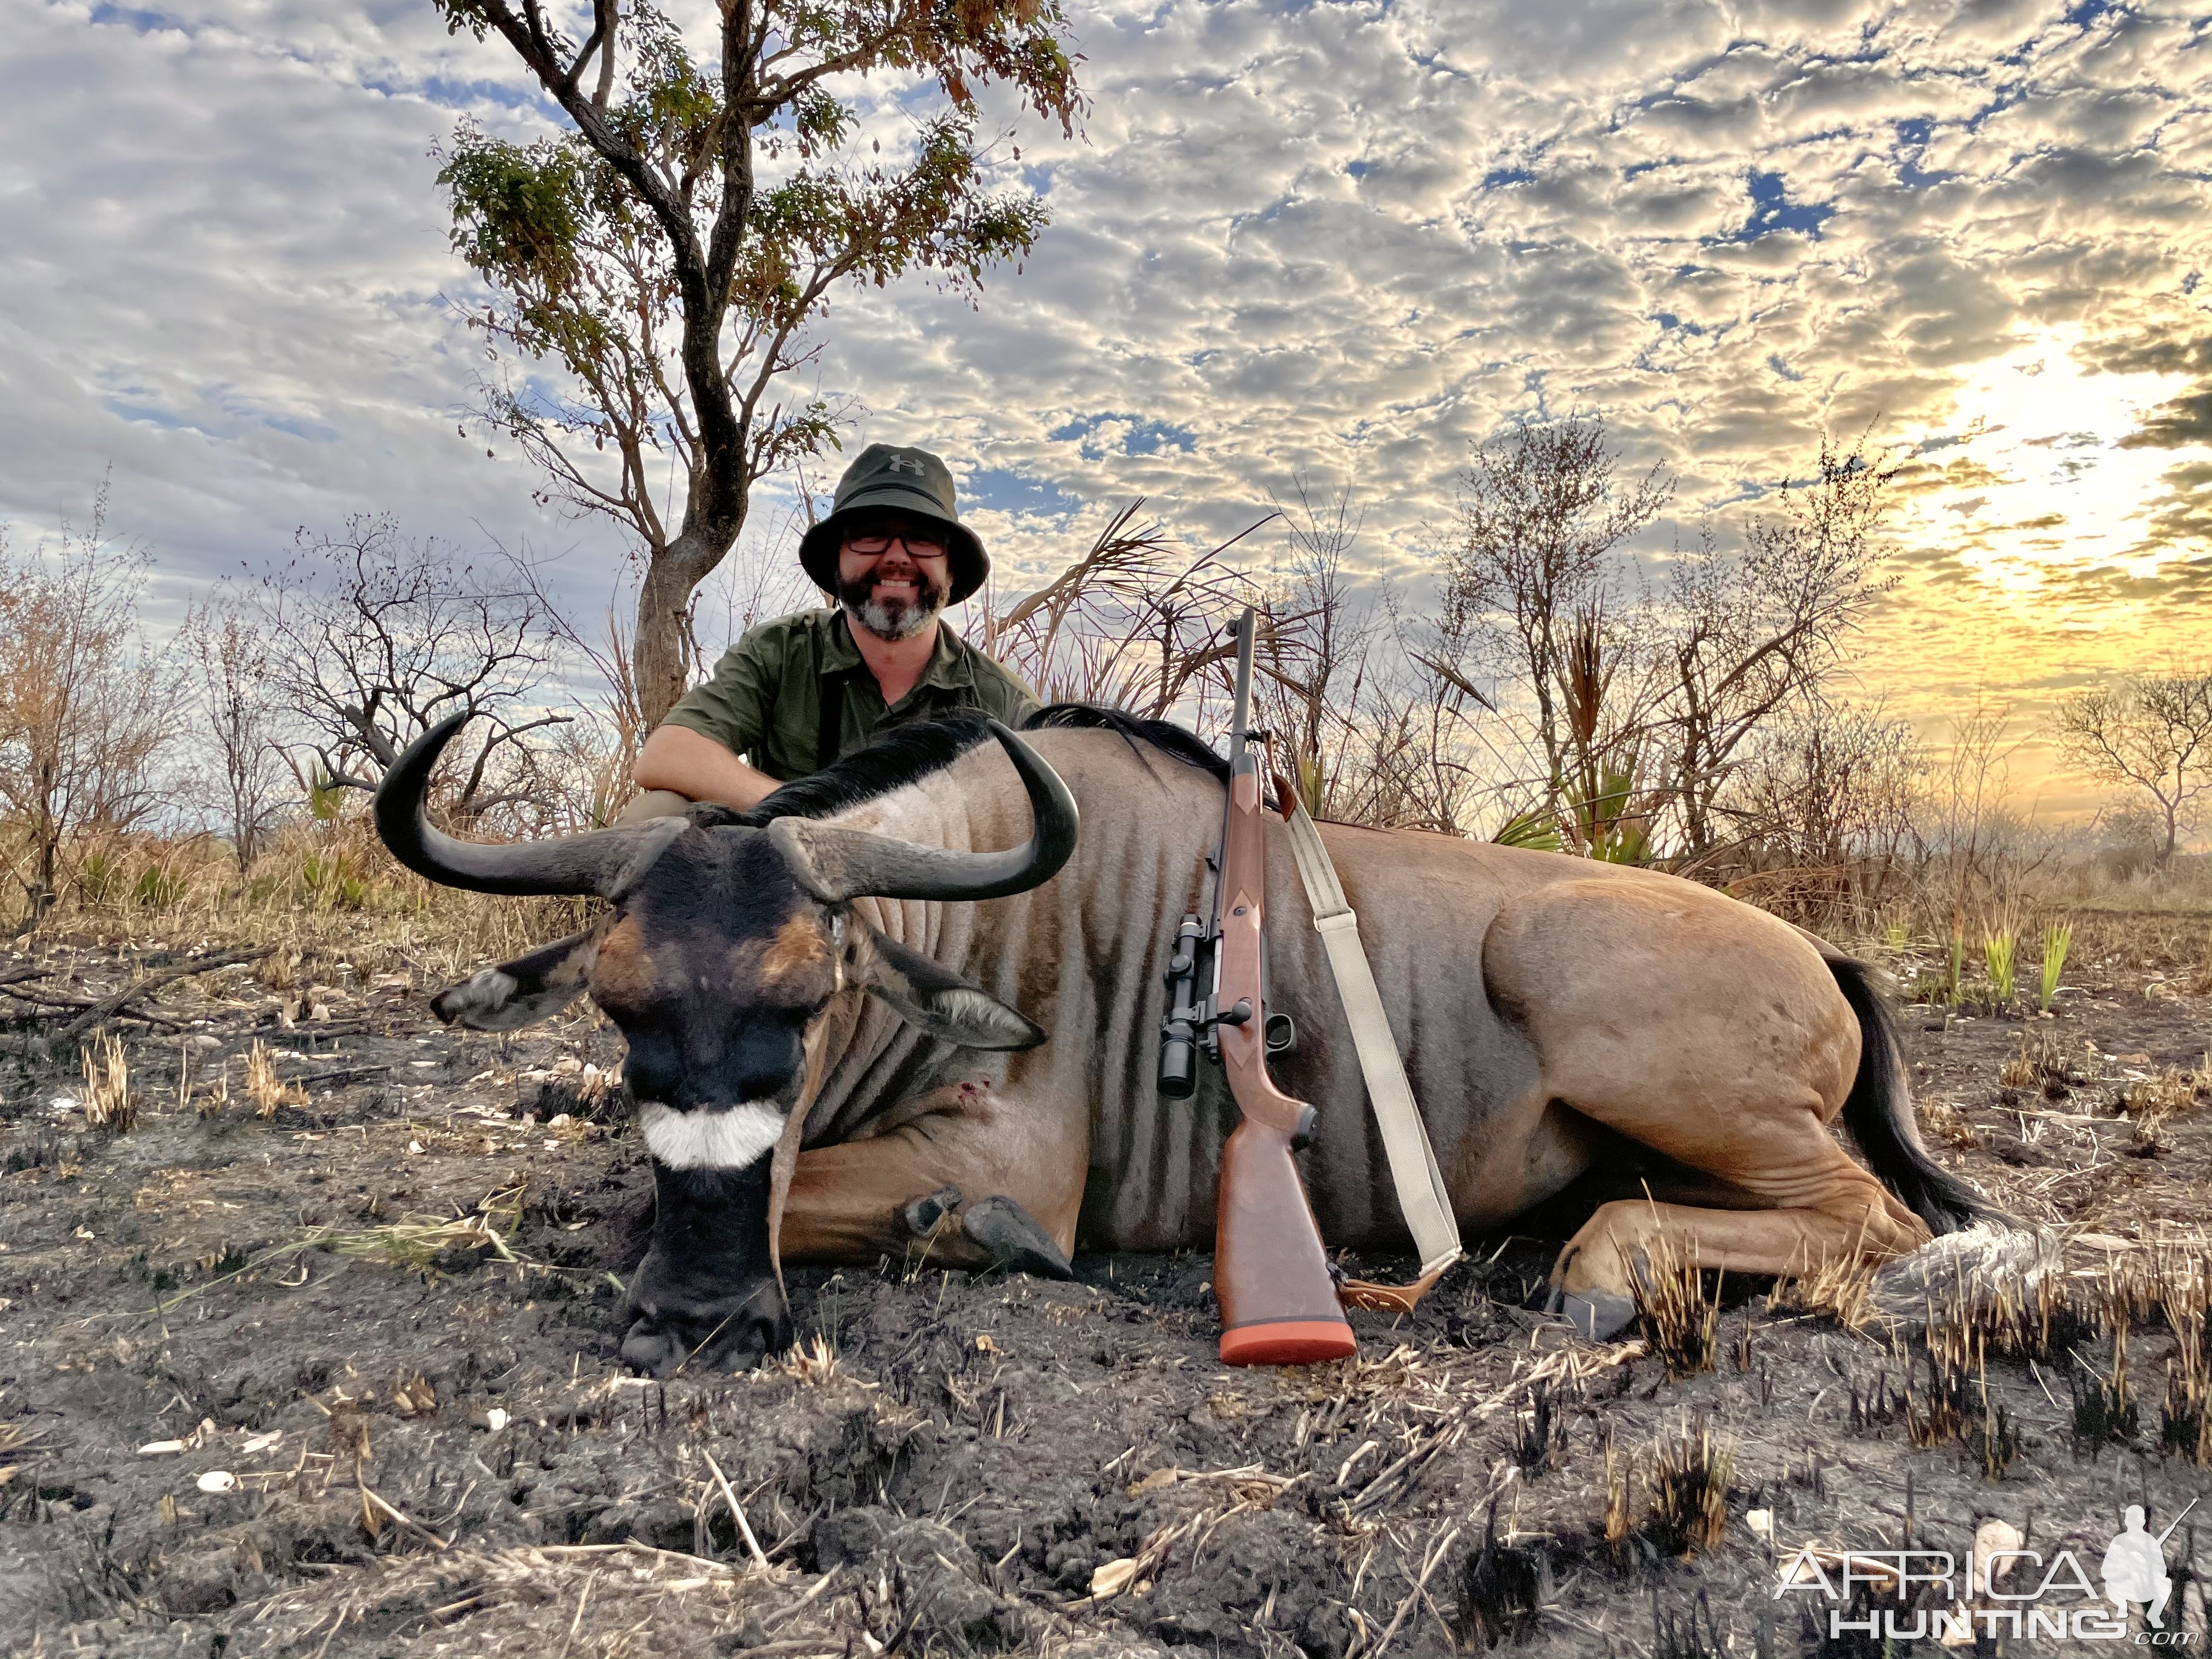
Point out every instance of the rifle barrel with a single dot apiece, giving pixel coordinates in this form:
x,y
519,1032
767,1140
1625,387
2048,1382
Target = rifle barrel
x,y
2176,1522
1241,717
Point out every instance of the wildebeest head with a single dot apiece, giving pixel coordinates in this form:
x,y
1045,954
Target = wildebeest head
x,y
725,945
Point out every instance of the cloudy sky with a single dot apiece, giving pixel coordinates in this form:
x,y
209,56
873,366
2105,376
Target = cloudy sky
x,y
1343,241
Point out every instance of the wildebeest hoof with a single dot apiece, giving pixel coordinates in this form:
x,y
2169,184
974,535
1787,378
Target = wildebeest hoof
x,y
1597,1315
1014,1240
924,1216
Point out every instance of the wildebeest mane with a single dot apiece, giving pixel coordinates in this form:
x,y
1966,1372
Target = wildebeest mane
x,y
891,761
1165,736
906,753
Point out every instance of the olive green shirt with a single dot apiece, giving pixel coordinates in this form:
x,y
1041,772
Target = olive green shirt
x,y
764,700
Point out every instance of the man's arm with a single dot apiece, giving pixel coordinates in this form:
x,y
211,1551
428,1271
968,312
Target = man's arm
x,y
694,765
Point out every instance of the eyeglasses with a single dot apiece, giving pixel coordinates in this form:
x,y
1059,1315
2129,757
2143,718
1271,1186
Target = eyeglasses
x,y
920,545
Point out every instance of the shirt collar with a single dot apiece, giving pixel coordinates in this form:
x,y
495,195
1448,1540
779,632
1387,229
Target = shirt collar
x,y
949,668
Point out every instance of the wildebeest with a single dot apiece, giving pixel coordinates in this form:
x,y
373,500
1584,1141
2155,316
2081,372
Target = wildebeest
x,y
995,1094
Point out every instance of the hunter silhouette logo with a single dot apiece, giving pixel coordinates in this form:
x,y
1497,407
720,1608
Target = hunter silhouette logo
x,y
1999,1591
2135,1567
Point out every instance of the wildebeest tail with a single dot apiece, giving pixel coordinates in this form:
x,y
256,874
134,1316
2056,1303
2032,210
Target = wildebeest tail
x,y
1879,1114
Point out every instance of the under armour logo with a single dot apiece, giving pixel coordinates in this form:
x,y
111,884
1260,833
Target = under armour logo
x,y
904,463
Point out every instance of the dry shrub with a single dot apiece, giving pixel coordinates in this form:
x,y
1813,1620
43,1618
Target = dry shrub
x,y
109,1102
263,1087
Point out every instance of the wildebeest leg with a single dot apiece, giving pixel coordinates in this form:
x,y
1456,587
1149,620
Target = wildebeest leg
x,y
1712,1034
1592,1270
1017,1177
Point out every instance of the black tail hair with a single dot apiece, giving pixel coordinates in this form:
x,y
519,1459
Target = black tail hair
x,y
1879,1114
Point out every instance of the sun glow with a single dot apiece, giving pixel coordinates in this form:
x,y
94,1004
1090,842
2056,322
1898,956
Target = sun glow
x,y
2032,482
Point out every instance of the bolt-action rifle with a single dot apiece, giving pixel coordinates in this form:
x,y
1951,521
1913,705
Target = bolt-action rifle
x,y
1279,1303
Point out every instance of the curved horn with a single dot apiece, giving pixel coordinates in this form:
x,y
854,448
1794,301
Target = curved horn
x,y
834,864
603,861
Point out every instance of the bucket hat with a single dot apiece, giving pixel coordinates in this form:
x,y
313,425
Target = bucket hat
x,y
894,478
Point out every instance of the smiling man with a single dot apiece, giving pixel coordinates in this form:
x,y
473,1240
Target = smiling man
x,y
794,694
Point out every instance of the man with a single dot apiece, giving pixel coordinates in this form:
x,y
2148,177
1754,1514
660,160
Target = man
x,y
794,694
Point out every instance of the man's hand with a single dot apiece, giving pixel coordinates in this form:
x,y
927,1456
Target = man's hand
x,y
695,766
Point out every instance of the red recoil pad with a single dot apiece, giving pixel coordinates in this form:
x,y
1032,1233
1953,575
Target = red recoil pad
x,y
1278,1305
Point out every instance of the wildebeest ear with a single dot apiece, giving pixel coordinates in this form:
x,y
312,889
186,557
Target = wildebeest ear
x,y
514,994
937,1000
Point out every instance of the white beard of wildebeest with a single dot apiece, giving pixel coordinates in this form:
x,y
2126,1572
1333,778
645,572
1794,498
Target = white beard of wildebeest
x,y
730,1139
893,619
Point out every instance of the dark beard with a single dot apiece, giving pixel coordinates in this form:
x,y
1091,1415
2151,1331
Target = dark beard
x,y
893,619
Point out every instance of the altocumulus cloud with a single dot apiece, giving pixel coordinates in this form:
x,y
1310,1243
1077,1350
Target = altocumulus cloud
x,y
1345,240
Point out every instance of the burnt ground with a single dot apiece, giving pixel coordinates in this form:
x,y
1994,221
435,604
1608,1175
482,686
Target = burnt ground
x,y
272,1384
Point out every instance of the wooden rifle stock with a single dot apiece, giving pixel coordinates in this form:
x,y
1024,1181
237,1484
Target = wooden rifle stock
x,y
1278,1305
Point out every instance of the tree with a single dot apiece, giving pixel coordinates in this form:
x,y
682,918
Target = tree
x,y
231,674
1825,797
374,638
2152,732
670,251
86,707
1750,636
1532,592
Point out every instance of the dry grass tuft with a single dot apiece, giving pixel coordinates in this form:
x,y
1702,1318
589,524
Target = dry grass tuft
x,y
263,1087
813,1362
1685,1480
1688,1479
1539,1428
1678,1317
214,1099
418,1241
1841,1288
2104,1406
2159,1096
1948,1124
109,1102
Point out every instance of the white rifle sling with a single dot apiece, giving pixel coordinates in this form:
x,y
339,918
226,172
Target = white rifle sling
x,y
1422,1198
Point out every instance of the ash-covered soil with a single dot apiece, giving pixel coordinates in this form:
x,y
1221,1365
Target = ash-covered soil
x,y
340,1379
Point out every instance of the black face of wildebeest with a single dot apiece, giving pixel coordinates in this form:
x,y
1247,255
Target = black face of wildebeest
x,y
726,945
